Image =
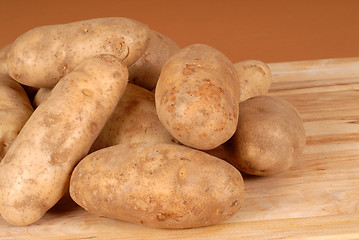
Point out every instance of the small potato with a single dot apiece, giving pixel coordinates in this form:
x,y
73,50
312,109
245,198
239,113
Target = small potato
x,y
3,58
133,120
41,56
147,69
255,78
269,138
159,185
40,96
15,110
196,97
35,171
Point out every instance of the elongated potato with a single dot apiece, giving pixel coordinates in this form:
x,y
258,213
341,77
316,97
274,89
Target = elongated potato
x,y
36,170
159,185
255,78
41,56
270,136
15,110
196,97
3,59
146,70
134,120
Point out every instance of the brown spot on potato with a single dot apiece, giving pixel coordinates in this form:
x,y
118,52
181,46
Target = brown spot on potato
x,y
87,92
188,70
234,203
29,201
55,160
116,74
202,135
171,100
165,216
181,175
50,119
171,108
93,126
120,44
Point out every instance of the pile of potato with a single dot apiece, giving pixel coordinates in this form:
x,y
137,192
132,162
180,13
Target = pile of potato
x,y
135,127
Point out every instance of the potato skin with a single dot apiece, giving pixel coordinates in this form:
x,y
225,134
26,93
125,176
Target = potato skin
x,y
40,96
157,185
41,56
255,78
36,170
15,110
146,70
3,58
269,138
133,120
196,98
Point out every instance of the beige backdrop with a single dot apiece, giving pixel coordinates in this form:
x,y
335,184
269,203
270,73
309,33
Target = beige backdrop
x,y
267,30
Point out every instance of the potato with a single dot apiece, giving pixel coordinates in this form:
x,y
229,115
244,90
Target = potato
x,y
134,120
40,96
255,78
147,69
270,136
15,110
159,185
3,58
41,56
196,98
36,170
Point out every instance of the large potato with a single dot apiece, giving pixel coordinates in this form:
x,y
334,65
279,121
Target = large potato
x,y
3,58
158,185
269,138
255,78
146,70
41,56
133,120
15,110
196,99
36,170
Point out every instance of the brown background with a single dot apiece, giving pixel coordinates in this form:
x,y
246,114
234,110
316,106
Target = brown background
x,y
267,30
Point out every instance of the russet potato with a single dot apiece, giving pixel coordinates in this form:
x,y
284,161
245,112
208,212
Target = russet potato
x,y
36,170
196,98
159,185
270,136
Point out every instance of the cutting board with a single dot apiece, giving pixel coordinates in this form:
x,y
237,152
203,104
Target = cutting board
x,y
318,198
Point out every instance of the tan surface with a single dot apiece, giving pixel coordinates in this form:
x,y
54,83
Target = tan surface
x,y
316,199
267,30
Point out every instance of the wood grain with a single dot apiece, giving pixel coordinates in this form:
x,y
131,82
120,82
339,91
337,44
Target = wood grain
x,y
318,198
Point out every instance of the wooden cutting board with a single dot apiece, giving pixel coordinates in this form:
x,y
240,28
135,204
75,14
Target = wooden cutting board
x,y
318,198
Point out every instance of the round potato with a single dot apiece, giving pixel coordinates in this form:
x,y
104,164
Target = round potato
x,y
159,185
255,78
41,56
133,120
196,97
269,138
36,170
15,110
